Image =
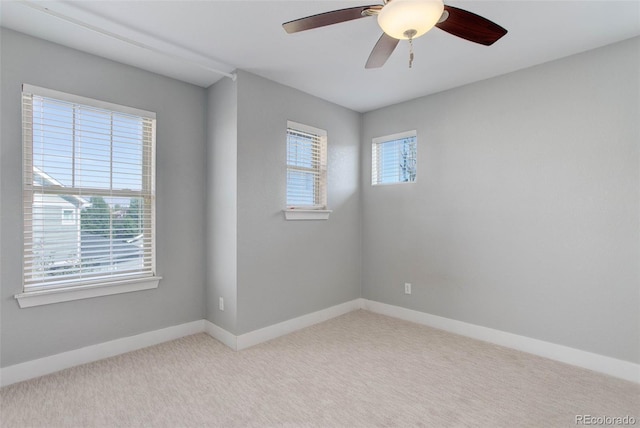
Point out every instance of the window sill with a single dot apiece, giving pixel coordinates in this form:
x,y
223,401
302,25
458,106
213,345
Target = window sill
x,y
57,295
295,214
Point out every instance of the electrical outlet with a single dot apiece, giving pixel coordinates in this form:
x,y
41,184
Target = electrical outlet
x,y
221,304
407,288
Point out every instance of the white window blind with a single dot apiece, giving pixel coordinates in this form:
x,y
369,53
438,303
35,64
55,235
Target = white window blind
x,y
306,167
394,158
94,162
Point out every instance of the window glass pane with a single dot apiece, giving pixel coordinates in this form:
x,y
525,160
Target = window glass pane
x,y
53,140
127,153
394,160
93,149
301,150
301,188
109,238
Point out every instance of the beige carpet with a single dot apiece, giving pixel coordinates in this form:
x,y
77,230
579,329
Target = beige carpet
x,y
357,370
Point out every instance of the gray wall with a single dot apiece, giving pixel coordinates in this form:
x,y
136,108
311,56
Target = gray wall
x,y
45,330
525,214
222,203
291,268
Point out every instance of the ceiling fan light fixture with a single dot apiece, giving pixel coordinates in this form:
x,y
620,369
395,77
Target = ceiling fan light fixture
x,y
408,19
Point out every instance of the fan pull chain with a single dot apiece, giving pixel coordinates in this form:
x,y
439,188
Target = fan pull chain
x,y
410,34
410,52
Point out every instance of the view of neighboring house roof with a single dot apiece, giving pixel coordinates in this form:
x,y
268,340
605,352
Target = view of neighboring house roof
x,y
97,249
41,178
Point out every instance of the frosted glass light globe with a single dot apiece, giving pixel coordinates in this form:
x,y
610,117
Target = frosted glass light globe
x,y
398,17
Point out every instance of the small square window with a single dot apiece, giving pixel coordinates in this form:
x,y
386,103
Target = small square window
x,y
394,159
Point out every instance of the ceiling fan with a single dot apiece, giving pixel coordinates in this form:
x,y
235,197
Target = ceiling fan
x,y
406,20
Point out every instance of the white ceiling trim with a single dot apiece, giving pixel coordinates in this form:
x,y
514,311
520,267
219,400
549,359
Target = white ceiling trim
x,y
154,45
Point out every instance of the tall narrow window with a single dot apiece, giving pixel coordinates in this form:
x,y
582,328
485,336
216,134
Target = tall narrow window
x,y
306,167
394,158
94,162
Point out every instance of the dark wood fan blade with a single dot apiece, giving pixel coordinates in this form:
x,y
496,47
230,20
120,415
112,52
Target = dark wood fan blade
x,y
381,51
470,26
327,18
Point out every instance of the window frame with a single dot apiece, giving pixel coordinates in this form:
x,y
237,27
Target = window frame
x,y
36,294
68,221
375,161
319,209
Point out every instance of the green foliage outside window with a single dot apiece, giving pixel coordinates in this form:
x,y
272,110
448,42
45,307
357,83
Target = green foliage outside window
x,y
122,223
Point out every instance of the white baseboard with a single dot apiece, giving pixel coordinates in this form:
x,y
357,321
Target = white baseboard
x,y
247,340
42,366
220,334
276,330
64,360
46,365
588,360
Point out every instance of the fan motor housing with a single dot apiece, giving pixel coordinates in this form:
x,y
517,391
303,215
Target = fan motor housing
x,y
401,17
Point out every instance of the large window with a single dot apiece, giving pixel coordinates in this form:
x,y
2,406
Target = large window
x,y
306,167
89,191
394,158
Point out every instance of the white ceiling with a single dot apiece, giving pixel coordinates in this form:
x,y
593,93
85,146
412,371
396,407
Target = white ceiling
x,y
186,39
